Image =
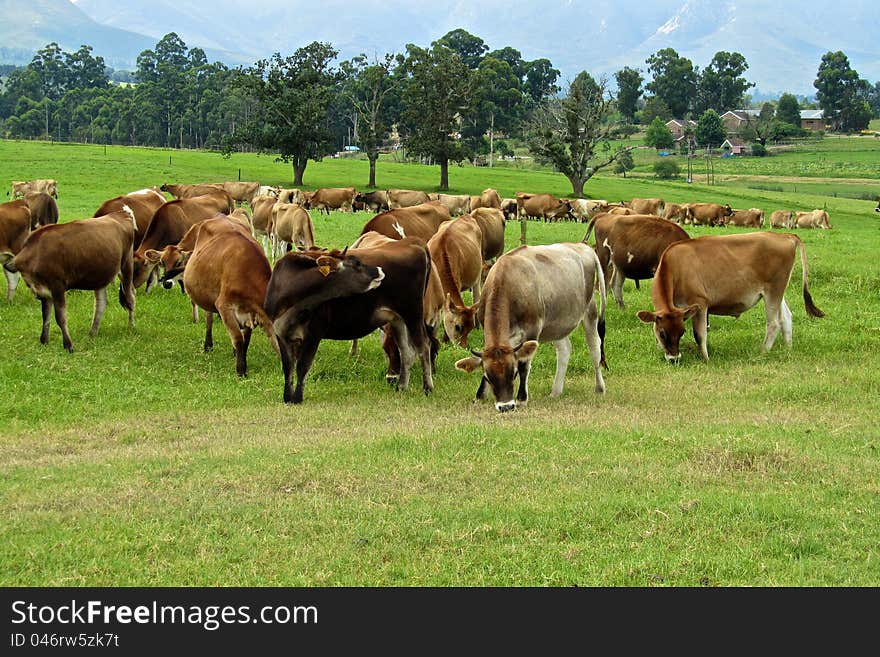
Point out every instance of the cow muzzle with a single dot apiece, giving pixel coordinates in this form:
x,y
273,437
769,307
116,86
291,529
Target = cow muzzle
x,y
504,407
672,360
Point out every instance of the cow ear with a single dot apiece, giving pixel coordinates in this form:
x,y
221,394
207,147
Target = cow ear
x,y
469,365
152,255
691,311
647,317
527,351
327,265
448,303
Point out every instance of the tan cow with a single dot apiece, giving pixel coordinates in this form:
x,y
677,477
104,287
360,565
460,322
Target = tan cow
x,y
583,209
15,226
404,198
781,219
492,224
331,198
20,188
542,206
179,191
457,204
87,254
242,192
143,203
724,275
752,218
812,219
676,212
262,218
708,214
44,209
291,226
242,217
421,220
652,206
489,198
291,195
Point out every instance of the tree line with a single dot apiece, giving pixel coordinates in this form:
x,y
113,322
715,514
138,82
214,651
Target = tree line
x,y
447,102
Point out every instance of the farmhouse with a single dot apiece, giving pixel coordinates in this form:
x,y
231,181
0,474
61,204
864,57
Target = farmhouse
x,y
678,127
813,120
733,146
736,120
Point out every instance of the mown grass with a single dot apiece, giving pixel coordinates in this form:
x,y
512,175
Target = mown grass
x,y
139,460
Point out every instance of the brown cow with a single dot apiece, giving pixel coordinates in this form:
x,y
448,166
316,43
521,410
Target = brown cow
x,y
44,209
633,244
652,206
676,212
404,198
242,217
15,225
492,224
724,275
707,214
488,199
537,294
242,192
544,206
331,198
812,219
583,209
262,218
373,202
179,191
78,255
457,204
291,225
752,218
421,220
781,219
457,255
143,203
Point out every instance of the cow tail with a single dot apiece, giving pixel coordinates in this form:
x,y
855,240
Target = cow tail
x,y
600,279
589,229
812,310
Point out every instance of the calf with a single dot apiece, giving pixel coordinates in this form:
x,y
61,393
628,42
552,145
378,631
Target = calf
x,y
78,255
724,275
781,219
308,310
537,294
812,219
15,225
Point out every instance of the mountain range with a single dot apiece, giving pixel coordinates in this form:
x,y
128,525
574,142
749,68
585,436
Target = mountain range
x,y
783,41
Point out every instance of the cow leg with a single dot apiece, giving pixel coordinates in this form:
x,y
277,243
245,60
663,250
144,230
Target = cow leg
x,y
786,323
563,354
195,313
307,352
152,279
61,318
522,393
406,351
100,307
227,314
12,279
288,359
773,313
353,351
700,323
209,330
617,279
477,289
389,346
594,343
126,286
46,307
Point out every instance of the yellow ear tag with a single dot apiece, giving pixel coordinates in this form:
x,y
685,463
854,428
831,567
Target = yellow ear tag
x,y
324,269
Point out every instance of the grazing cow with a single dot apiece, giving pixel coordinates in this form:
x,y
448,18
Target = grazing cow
x,y
189,191
708,214
457,255
290,196
168,226
303,317
374,201
15,225
492,224
488,199
544,206
421,220
582,209
812,219
241,192
331,198
781,219
44,209
404,198
267,190
143,203
724,275
22,188
537,294
291,225
633,244
509,208
262,218
79,255
652,206
457,204
676,212
752,218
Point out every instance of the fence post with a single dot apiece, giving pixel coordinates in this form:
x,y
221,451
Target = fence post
x,y
239,175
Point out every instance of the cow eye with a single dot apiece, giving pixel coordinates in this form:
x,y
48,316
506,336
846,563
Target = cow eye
x,y
458,327
662,334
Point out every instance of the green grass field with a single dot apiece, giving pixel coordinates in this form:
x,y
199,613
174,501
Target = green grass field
x,y
140,460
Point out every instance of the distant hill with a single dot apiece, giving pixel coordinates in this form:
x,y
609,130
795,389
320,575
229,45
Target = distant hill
x,y
783,41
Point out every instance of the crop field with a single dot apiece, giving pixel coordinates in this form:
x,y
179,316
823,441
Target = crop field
x,y
139,460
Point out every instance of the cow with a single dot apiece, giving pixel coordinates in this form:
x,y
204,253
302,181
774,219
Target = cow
x,y
404,198
633,244
242,192
143,203
492,224
227,273
421,220
618,209
44,209
15,226
290,196
373,201
707,214
724,275
489,198
812,219
331,198
291,226
21,188
179,191
676,212
457,255
243,218
262,218
751,218
583,209
537,294
509,208
302,318
652,206
267,190
781,219
78,255
544,206
457,204
169,224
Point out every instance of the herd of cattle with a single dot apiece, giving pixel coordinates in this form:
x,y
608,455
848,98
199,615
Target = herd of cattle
x,y
405,273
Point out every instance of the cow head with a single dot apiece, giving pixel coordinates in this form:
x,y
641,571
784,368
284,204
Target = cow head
x,y
668,329
172,260
458,321
500,366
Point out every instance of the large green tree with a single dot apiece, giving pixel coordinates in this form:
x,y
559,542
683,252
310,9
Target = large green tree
x,y
469,47
573,134
788,110
498,99
629,90
673,79
841,93
710,130
658,135
541,78
292,96
721,85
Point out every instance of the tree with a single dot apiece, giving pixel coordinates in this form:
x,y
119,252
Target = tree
x,y
842,95
566,133
436,95
874,99
369,89
721,85
674,80
629,90
541,79
788,110
624,163
85,71
710,130
658,135
498,99
470,48
655,107
666,169
292,96
513,57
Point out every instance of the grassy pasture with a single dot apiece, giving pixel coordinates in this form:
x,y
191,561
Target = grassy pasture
x,y
139,460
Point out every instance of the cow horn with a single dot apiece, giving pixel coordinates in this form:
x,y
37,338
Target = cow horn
x,y
478,354
344,251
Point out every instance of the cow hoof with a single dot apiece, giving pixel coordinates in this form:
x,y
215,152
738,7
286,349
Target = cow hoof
x,y
391,379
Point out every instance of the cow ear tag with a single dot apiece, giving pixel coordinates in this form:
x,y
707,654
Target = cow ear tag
x,y
324,269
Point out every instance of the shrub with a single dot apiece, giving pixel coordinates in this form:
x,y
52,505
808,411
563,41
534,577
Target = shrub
x,y
758,150
666,169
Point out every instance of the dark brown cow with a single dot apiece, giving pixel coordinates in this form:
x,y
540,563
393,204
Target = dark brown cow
x,y
544,206
331,198
143,203
707,214
304,315
168,226
537,294
179,191
724,275
79,255
15,225
373,202
421,220
44,209
404,198
633,244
